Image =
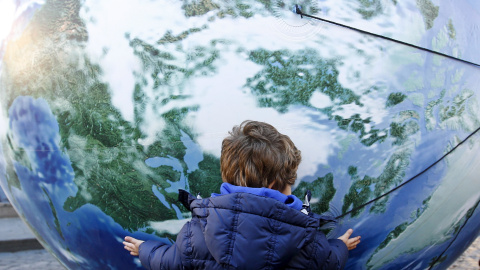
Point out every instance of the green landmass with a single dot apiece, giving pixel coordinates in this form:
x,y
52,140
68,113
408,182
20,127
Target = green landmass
x,y
395,98
207,179
461,222
170,38
401,132
104,148
198,8
393,234
401,227
430,120
290,78
429,12
364,189
457,113
54,214
369,9
457,108
322,190
222,9
407,114
451,29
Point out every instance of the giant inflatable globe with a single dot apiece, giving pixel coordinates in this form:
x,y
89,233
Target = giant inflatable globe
x,y
109,107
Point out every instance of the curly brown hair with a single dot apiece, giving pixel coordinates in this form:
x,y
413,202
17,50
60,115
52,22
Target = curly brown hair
x,y
255,154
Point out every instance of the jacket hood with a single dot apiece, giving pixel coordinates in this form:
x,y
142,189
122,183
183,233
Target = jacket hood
x,y
289,200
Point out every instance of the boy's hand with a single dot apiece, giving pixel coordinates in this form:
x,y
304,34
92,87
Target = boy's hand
x,y
350,242
131,244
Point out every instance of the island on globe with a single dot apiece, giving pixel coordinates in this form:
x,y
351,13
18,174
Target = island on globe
x,y
109,107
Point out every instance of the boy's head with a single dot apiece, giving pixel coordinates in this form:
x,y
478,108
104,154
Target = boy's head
x,y
255,154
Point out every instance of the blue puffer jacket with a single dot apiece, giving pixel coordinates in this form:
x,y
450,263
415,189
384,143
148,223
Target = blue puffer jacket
x,y
243,230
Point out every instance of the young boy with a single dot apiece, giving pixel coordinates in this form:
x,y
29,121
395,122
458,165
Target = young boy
x,y
255,223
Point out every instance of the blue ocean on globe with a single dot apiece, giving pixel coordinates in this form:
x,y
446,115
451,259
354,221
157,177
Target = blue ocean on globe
x,y
109,107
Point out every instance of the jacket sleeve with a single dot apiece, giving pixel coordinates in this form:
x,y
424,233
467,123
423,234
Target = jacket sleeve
x,y
158,255
339,255
329,254
321,253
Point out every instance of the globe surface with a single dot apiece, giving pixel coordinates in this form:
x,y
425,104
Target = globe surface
x,y
109,107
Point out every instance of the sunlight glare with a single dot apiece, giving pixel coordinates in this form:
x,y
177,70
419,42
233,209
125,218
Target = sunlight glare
x,y
7,13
